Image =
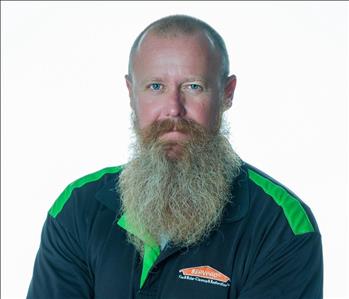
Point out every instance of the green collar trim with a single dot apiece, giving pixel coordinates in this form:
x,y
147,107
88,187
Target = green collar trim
x,y
151,248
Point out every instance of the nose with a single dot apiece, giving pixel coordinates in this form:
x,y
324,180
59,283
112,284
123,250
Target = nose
x,y
175,105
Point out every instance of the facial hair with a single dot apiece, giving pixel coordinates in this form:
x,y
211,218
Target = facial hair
x,y
181,198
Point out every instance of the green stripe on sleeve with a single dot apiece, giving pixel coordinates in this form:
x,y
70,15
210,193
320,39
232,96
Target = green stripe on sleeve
x,y
65,195
293,210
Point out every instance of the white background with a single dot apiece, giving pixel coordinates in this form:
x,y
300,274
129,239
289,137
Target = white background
x,y
65,109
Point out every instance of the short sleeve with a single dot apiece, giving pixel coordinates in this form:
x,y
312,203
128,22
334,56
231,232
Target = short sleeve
x,y
292,270
60,269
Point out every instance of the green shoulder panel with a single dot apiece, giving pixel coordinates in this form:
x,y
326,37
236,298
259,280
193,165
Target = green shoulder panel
x,y
291,206
65,195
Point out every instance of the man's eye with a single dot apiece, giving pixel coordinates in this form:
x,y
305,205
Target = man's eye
x,y
195,87
155,86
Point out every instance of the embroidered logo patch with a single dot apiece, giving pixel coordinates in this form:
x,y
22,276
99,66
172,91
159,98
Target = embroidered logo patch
x,y
205,274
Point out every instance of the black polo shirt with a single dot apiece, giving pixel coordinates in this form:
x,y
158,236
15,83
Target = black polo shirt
x,y
268,245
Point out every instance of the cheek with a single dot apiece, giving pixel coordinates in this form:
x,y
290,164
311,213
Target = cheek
x,y
205,114
146,114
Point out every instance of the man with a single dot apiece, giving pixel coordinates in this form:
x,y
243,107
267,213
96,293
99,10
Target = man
x,y
185,218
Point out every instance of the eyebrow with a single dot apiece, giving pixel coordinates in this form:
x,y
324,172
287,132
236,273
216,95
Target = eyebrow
x,y
195,79
154,79
188,79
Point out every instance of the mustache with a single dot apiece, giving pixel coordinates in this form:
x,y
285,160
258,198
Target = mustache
x,y
158,128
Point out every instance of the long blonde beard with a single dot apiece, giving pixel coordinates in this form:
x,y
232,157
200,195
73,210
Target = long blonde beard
x,y
182,199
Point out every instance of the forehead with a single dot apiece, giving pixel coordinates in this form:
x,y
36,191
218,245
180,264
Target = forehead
x,y
194,52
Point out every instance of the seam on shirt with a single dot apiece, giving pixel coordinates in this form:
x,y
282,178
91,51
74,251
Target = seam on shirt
x,y
294,212
66,194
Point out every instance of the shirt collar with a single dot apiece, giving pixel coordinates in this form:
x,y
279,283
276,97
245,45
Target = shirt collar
x,y
235,210
108,195
239,202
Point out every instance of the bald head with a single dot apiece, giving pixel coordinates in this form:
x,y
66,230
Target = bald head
x,y
179,26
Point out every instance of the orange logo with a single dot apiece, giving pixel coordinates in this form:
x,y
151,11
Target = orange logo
x,y
205,272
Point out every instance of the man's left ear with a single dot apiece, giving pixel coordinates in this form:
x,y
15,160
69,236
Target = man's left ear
x,y
229,89
130,90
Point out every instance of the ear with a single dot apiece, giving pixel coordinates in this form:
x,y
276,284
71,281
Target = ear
x,y
229,89
129,85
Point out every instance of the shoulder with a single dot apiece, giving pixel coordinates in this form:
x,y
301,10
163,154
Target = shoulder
x,y
284,256
279,231
271,208
269,192
86,196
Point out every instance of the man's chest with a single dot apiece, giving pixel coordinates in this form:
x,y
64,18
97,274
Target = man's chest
x,y
213,269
